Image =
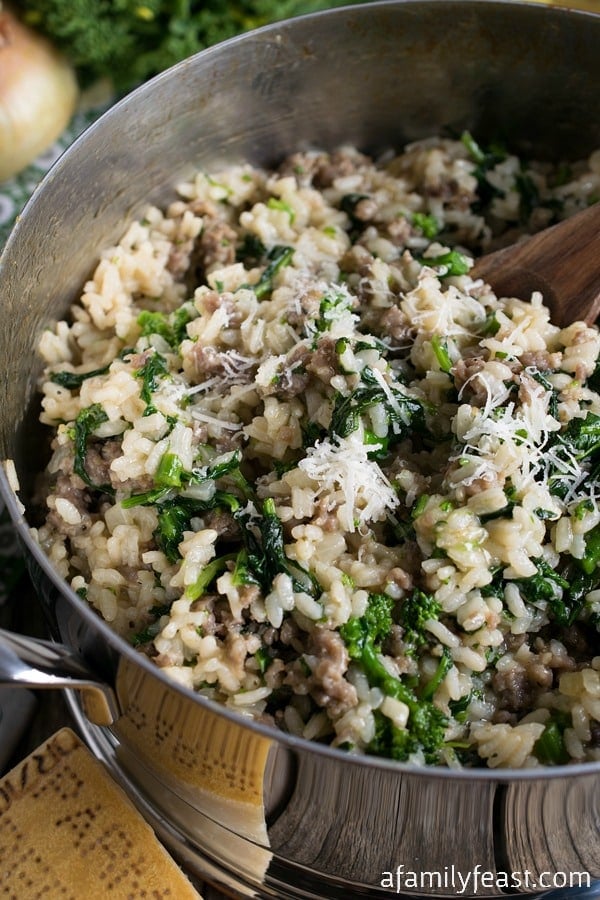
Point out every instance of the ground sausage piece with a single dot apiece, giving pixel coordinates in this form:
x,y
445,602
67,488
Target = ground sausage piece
x,y
324,362
396,325
338,165
399,231
356,259
212,301
326,518
327,683
293,378
541,359
223,523
464,371
214,248
513,689
71,488
98,458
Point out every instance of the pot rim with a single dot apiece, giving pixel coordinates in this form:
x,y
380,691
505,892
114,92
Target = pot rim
x,y
91,617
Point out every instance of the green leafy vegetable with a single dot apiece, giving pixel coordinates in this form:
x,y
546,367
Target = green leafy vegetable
x,y
591,557
88,420
251,251
547,584
404,414
331,307
426,723
73,380
263,659
529,195
579,441
264,553
277,203
550,746
278,257
206,577
440,348
485,160
413,614
129,41
443,667
171,327
427,224
451,263
154,368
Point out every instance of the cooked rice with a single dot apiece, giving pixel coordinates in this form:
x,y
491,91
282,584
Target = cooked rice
x,y
286,354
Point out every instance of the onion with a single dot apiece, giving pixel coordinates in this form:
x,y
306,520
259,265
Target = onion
x,y
38,94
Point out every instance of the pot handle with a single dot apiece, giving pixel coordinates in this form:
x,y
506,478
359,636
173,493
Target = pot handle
x,y
37,664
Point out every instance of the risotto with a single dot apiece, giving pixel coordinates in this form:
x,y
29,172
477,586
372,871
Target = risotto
x,y
323,475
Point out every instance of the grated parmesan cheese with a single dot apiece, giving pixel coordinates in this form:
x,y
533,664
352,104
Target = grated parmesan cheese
x,y
344,466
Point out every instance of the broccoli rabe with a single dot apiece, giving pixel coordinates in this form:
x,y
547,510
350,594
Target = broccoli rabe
x,y
154,368
171,327
206,577
427,224
450,263
87,421
426,724
171,476
549,585
372,627
405,414
263,555
550,746
440,349
73,380
413,614
485,159
278,257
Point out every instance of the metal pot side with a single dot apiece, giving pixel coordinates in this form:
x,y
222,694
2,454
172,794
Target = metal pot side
x,y
273,816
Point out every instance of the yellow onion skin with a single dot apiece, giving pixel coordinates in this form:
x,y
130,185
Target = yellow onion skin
x,y
38,94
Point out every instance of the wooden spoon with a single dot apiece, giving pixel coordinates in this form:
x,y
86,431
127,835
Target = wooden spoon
x,y
563,262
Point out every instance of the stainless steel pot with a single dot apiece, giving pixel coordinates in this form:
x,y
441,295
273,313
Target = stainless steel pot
x,y
262,813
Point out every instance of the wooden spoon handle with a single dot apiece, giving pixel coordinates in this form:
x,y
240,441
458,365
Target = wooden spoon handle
x,y
563,262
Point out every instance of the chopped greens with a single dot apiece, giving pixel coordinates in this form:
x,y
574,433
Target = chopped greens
x,y
278,257
154,368
171,327
87,421
426,724
206,577
414,612
427,224
450,263
403,413
264,554
550,746
73,380
440,349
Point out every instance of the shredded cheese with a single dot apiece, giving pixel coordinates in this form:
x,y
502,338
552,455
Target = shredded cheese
x,y
366,494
